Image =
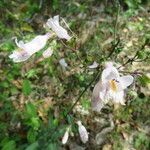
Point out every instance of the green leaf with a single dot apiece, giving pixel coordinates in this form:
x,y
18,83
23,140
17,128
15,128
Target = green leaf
x,y
55,4
144,80
31,136
31,73
26,88
141,54
35,122
33,146
11,145
26,27
52,146
31,110
85,103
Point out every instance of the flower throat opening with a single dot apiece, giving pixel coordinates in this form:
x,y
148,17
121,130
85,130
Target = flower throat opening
x,y
113,85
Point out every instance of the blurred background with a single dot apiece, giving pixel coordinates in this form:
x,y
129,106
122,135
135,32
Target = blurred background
x,y
35,95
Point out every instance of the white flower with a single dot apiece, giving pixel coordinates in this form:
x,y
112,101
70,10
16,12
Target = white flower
x,y
111,87
53,23
66,136
28,49
47,53
82,132
94,65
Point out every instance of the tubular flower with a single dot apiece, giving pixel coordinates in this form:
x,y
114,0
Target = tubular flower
x,y
110,87
27,49
53,23
82,132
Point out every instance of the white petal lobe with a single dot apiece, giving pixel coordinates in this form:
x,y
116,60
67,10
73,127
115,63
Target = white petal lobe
x,y
65,137
82,132
126,81
94,65
109,73
97,102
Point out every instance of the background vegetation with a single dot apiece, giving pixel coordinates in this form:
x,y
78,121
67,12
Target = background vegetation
x,y
35,96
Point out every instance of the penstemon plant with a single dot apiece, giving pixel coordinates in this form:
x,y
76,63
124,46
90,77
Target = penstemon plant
x,y
43,126
110,87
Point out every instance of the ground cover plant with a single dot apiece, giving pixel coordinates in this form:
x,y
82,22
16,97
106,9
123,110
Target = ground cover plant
x,y
74,75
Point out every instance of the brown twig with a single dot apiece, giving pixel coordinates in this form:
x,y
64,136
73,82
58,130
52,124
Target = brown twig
x,y
113,48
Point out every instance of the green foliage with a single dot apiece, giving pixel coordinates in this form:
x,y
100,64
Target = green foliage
x,y
33,146
85,103
55,4
26,122
31,116
31,110
141,141
52,146
10,145
32,73
31,136
144,80
133,4
26,87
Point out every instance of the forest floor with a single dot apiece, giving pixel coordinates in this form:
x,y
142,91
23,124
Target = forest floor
x,y
44,90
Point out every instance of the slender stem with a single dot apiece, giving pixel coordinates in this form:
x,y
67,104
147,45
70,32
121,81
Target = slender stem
x,y
113,48
116,22
82,93
136,72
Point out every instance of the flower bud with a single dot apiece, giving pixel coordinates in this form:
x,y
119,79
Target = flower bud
x,y
83,132
66,136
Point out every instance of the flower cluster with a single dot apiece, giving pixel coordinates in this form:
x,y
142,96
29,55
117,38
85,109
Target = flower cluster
x,y
26,50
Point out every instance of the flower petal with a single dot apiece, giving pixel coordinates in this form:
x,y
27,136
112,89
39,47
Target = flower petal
x,y
109,73
56,19
20,44
117,97
126,81
94,65
97,102
19,56
82,132
66,136
36,44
